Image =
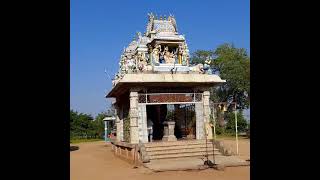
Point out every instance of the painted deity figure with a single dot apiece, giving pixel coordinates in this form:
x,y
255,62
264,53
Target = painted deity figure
x,y
131,63
142,62
180,51
206,66
184,58
169,57
173,21
184,55
155,54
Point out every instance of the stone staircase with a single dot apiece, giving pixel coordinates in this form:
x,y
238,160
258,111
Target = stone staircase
x,y
179,149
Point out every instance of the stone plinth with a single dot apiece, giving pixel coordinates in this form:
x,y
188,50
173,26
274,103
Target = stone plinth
x,y
169,131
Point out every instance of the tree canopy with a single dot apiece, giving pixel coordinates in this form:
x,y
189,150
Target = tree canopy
x,y
199,56
85,126
233,65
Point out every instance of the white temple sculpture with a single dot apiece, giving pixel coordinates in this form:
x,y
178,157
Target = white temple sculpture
x,y
159,49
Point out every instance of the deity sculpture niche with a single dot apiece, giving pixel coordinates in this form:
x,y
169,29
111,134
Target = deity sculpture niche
x,y
142,62
169,57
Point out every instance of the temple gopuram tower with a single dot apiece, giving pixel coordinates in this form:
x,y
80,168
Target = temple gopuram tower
x,y
156,82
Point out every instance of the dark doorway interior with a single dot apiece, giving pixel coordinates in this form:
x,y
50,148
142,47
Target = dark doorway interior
x,y
157,114
182,114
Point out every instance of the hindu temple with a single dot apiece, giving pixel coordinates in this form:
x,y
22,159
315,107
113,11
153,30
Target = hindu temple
x,y
157,82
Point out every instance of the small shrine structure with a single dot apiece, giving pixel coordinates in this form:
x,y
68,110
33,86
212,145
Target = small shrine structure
x,y
156,81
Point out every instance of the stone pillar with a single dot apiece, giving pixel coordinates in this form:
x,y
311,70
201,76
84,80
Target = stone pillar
x,y
121,130
199,121
118,124
142,123
121,123
134,132
206,113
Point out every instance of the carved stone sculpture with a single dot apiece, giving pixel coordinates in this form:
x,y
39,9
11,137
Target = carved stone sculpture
x,y
197,68
142,63
185,55
173,21
155,54
169,57
131,63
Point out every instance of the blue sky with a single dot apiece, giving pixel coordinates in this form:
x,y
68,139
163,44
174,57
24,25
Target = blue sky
x,y
100,29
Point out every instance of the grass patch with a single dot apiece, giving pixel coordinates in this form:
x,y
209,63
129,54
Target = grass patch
x,y
75,141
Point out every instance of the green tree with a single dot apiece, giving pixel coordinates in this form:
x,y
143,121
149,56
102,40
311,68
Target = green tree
x,y
233,65
84,126
199,56
241,122
80,124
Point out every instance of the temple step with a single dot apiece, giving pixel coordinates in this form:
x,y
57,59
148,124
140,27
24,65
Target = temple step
x,y
180,149
177,151
181,155
176,143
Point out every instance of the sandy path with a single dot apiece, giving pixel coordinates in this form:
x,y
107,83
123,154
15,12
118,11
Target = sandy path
x,y
95,161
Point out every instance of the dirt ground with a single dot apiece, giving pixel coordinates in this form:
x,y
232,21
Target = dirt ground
x,y
244,147
95,161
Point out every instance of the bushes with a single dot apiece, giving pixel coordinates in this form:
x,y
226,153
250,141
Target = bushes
x,y
83,126
219,130
230,128
231,125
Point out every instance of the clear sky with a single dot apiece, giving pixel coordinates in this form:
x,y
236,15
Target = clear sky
x,y
100,29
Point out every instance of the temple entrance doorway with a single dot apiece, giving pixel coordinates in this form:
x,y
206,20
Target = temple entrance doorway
x,y
182,114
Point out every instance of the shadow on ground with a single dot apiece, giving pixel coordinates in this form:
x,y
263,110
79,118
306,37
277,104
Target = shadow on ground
x,y
74,148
